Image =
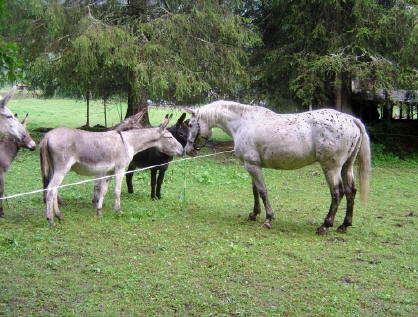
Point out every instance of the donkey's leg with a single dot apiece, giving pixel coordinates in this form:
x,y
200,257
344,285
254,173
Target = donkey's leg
x,y
350,194
45,181
129,177
102,187
118,187
1,193
96,188
153,181
333,178
256,173
57,212
160,180
257,208
51,197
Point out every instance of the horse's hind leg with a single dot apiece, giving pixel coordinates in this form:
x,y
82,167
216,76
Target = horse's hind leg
x,y
257,208
350,194
256,173
337,192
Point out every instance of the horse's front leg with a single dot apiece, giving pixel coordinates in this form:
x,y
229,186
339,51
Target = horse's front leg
x,y
256,173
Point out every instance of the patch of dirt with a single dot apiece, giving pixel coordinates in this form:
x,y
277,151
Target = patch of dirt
x,y
220,146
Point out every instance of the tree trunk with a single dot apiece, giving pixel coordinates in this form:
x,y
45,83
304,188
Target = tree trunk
x,y
135,104
88,109
105,112
343,92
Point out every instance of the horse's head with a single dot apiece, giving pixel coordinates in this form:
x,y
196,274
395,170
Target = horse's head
x,y
199,133
167,142
9,125
180,130
27,141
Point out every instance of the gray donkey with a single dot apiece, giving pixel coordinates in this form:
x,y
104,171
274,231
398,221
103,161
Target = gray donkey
x,y
97,154
9,125
9,147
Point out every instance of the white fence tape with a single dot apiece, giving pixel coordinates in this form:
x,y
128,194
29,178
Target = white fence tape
x,y
110,176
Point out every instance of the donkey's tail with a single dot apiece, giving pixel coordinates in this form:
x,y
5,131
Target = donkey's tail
x,y
364,162
45,166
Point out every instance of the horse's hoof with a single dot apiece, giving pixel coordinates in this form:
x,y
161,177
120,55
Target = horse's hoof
x,y
266,224
60,218
322,230
1,215
342,229
52,224
99,213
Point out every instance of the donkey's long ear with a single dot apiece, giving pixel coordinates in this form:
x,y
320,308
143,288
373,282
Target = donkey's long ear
x,y
181,119
165,122
9,96
24,120
139,115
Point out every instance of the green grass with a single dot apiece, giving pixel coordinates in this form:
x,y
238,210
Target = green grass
x,y
203,257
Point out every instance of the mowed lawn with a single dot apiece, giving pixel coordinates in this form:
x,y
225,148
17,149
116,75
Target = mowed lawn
x,y
194,253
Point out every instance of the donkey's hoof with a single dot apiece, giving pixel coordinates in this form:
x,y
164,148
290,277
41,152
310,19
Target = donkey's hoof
x,y
266,224
342,229
322,230
252,217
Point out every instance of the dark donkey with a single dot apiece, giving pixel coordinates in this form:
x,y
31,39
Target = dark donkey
x,y
152,156
8,151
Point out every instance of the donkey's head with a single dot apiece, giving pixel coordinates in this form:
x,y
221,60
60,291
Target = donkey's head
x,y
166,142
27,141
9,125
180,130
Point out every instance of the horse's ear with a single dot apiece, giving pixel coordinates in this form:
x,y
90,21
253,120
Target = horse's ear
x,y
24,120
9,96
181,119
191,111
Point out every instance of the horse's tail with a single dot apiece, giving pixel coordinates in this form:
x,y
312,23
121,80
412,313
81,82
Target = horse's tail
x,y
364,162
45,164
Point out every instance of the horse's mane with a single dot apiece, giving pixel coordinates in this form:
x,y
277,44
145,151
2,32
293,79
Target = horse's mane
x,y
221,108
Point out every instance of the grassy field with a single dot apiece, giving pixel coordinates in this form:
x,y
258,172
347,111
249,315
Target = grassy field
x,y
201,256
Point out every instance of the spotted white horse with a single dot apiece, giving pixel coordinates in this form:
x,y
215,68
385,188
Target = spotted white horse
x,y
265,139
9,124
